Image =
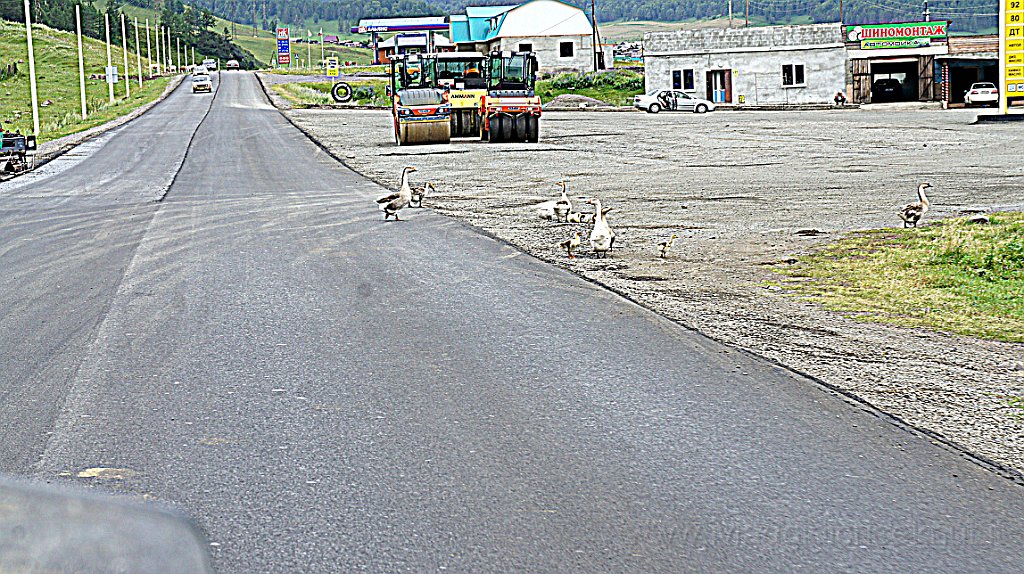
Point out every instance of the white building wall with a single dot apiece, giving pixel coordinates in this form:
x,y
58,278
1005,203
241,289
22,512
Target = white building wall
x,y
548,52
756,57
757,76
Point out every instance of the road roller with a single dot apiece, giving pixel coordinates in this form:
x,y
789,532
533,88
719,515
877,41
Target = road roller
x,y
462,75
420,111
510,111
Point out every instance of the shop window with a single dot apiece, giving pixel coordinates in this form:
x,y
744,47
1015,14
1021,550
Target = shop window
x,y
688,80
525,47
565,49
793,75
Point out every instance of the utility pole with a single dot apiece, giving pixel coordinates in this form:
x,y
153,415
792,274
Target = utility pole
x,y
177,51
840,11
124,52
746,15
730,13
593,20
159,40
149,53
32,71
927,12
106,26
138,52
309,56
81,57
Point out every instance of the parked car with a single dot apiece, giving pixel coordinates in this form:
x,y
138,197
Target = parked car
x,y
201,83
671,100
982,93
886,90
231,65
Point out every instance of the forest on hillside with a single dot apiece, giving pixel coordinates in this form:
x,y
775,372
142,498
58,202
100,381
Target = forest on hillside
x,y
267,14
966,14
192,26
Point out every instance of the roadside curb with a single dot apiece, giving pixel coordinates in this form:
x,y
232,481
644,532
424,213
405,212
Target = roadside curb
x,y
51,150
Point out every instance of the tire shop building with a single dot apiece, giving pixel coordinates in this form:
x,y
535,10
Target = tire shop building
x,y
895,62
971,59
560,34
762,66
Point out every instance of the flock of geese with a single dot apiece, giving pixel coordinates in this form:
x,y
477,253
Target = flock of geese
x,y
602,236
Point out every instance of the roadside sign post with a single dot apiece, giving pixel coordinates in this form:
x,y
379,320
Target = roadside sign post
x,y
333,70
81,57
1011,52
284,48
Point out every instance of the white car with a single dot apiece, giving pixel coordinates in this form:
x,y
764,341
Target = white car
x,y
201,84
199,71
672,100
210,64
982,93
232,65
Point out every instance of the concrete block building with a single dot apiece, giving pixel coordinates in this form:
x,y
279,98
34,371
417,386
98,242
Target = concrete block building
x,y
761,66
560,34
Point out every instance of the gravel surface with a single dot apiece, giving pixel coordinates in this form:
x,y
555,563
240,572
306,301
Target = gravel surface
x,y
745,191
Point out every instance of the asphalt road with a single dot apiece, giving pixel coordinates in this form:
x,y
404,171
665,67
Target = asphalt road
x,y
326,392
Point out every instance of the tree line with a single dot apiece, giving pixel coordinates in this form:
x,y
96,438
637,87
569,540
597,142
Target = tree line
x,y
192,26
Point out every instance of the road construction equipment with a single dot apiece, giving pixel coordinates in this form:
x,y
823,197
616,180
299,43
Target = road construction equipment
x,y
420,111
462,75
17,152
510,111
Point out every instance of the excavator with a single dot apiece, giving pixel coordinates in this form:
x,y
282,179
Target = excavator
x,y
420,110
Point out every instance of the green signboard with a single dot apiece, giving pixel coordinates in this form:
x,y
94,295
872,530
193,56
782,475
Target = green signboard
x,y
896,36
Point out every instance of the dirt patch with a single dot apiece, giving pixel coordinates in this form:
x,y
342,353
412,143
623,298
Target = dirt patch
x,y
745,191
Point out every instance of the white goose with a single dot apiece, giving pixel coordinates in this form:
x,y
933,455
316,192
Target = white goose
x,y
393,203
912,213
563,206
602,238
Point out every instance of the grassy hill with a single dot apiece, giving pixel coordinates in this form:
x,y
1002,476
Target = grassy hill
x,y
57,78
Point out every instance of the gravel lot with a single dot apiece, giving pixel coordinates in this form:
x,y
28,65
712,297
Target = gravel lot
x,y
738,187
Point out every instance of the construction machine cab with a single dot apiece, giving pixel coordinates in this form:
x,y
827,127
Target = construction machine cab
x,y
511,73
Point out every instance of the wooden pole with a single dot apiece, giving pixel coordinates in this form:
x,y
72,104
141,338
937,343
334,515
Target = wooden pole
x,y
81,57
106,26
124,52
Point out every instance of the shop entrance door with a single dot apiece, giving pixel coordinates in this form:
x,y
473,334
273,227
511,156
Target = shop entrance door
x,y
720,86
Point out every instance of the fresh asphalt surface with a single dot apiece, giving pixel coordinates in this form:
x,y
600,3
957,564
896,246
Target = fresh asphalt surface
x,y
227,317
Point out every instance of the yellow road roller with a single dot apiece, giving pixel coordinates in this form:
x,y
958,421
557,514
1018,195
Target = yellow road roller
x,y
421,112
510,111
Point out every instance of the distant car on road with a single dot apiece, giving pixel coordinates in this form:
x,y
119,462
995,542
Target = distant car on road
x,y
672,100
982,93
199,71
210,64
886,90
201,83
231,65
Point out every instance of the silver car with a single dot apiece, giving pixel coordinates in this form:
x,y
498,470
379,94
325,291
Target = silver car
x,y
672,100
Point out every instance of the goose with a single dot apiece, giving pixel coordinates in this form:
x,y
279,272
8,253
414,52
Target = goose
x,y
571,243
913,212
602,238
418,193
392,204
546,209
664,246
563,206
579,217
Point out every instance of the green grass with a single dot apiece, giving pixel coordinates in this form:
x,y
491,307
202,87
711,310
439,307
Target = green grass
x,y
57,78
366,93
949,276
616,88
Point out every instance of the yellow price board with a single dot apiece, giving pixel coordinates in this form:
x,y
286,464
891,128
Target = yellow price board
x,y
1011,23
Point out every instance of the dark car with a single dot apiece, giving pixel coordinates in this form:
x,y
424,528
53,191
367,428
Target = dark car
x,y
886,90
